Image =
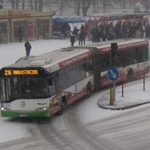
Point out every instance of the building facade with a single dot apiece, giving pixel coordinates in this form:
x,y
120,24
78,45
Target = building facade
x,y
28,25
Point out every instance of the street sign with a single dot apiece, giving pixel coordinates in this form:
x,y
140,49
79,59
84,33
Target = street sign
x,y
113,73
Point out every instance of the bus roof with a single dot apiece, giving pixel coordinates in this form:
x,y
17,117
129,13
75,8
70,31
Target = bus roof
x,y
124,41
61,58
53,60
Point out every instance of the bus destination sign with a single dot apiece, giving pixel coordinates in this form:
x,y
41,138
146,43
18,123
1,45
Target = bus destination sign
x,y
8,72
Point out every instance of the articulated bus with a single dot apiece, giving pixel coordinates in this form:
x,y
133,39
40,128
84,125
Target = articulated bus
x,y
41,86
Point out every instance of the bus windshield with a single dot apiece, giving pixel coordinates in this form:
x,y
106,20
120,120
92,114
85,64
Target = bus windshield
x,y
24,88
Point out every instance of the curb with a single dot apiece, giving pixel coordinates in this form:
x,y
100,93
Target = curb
x,y
114,107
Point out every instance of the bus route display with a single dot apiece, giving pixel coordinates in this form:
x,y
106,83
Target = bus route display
x,y
8,72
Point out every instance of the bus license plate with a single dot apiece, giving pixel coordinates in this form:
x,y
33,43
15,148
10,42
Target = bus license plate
x,y
22,115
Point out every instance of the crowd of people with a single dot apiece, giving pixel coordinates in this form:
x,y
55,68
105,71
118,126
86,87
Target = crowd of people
x,y
78,34
120,30
105,32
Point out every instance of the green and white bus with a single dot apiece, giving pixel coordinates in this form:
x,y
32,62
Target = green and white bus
x,y
41,86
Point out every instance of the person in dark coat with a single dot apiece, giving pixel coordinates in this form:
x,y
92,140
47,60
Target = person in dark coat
x,y
75,32
93,32
27,47
81,37
72,39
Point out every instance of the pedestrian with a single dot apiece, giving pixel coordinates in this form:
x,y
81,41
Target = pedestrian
x,y
82,28
27,47
72,39
75,32
93,32
81,37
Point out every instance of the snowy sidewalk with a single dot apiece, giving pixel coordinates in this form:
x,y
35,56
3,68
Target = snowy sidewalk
x,y
133,96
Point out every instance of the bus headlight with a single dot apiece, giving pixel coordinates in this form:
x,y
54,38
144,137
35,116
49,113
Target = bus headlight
x,y
42,109
4,108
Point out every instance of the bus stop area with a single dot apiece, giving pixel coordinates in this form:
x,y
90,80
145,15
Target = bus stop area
x,y
121,25
108,26
61,25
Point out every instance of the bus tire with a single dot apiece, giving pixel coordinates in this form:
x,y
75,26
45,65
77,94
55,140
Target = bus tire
x,y
89,90
63,106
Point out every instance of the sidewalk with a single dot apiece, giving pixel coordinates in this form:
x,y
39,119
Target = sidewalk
x,y
133,96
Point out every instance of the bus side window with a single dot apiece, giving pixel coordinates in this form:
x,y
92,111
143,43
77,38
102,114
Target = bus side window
x,y
86,68
144,53
87,65
141,54
77,71
69,76
61,82
52,83
105,61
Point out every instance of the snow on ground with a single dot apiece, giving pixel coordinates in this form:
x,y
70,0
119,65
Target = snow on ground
x,y
88,110
134,94
9,53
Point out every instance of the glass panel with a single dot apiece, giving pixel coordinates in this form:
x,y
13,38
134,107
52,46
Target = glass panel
x,y
61,84
105,62
26,87
69,76
52,88
77,71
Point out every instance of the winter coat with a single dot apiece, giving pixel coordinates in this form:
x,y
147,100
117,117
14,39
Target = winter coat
x,y
28,46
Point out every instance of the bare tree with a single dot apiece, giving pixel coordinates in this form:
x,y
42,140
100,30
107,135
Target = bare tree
x,y
1,1
131,4
61,6
94,6
40,5
104,6
50,4
78,5
17,4
85,6
120,2
147,4
124,4
35,4
23,4
31,4
13,4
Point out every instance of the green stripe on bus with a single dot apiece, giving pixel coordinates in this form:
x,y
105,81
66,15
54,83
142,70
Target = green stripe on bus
x,y
25,114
